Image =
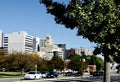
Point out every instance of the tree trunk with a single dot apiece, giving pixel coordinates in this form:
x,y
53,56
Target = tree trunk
x,y
106,69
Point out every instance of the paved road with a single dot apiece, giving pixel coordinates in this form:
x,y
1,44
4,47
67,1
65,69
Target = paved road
x,y
86,78
60,79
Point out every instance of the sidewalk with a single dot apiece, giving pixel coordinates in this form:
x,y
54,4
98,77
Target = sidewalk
x,y
114,78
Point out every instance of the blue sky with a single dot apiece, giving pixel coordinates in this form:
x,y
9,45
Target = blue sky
x,y
31,16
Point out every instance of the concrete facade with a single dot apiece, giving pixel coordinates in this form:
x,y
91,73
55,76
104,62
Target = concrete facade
x,y
18,42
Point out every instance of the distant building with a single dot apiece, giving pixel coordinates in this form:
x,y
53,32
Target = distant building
x,y
1,43
79,51
47,49
63,46
18,42
23,42
82,51
50,49
1,38
69,52
42,42
38,43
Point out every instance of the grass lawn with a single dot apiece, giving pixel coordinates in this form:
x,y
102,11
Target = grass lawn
x,y
10,74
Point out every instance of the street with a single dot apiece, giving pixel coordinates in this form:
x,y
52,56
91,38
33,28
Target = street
x,y
85,78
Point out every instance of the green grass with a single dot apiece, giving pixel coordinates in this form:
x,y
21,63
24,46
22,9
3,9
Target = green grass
x,y
10,74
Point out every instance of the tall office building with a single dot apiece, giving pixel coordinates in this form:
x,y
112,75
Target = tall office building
x,y
38,43
1,38
18,42
42,42
63,46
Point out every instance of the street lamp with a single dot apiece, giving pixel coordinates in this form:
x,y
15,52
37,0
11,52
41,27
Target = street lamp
x,y
35,67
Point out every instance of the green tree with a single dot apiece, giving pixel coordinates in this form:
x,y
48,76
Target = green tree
x,y
117,59
18,61
95,60
2,58
96,20
43,65
77,63
99,63
92,60
50,66
58,63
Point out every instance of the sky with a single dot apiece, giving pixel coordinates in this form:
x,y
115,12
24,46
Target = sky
x,y
31,16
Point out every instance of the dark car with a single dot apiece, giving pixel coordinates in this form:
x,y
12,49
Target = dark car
x,y
52,75
79,73
118,68
98,73
69,74
44,74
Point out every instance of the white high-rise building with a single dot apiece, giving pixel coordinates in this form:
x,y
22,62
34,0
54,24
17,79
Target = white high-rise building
x,y
1,38
18,42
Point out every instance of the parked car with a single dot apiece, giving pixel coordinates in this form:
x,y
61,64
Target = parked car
x,y
79,73
69,74
98,73
44,74
52,75
118,68
33,75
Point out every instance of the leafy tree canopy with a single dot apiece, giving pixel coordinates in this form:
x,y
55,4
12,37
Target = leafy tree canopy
x,y
77,63
57,62
96,20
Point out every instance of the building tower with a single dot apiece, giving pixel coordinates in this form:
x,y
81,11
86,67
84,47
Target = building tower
x,y
18,42
63,46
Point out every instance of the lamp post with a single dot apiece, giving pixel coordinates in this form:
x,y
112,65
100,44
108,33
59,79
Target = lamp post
x,y
36,68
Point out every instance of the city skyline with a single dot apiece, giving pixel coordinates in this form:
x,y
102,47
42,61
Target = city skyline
x,y
31,16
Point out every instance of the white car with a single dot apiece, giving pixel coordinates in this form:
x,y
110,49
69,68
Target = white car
x,y
33,75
